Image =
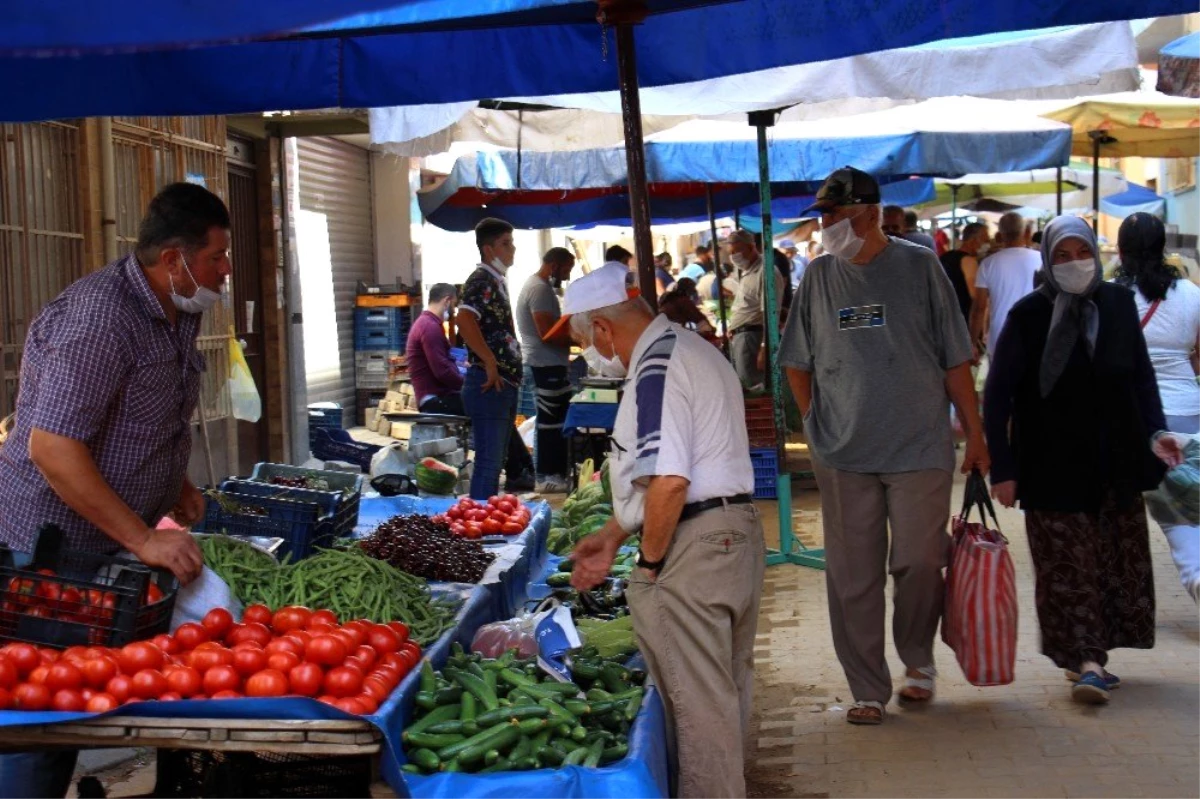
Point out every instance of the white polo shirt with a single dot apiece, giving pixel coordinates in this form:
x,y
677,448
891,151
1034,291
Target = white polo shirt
x,y
682,414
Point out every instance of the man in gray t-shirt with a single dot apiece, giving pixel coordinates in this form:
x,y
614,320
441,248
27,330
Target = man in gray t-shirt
x,y
547,351
875,348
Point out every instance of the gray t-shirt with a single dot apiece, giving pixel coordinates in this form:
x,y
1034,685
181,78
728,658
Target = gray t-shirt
x,y
536,295
878,340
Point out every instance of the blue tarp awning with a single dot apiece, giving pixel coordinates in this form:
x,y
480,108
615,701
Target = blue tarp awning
x,y
460,60
1133,200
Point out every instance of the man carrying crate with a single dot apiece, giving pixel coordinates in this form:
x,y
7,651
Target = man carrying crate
x,y
109,381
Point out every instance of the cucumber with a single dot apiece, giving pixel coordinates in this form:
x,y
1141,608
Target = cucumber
x,y
526,763
503,764
585,669
507,735
600,708
614,752
532,725
548,756
474,668
481,741
428,677
452,766
425,759
563,688
577,707
520,713
453,726
435,716
576,757
448,696
478,688
467,714
490,680
593,754
559,580
579,734
558,712
634,704
615,677
411,768
516,679
524,748
426,700
430,740
598,695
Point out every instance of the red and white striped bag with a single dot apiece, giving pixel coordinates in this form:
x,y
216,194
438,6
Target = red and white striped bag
x,y
980,618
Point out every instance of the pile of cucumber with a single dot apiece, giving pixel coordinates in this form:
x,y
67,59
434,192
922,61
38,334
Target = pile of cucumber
x,y
484,715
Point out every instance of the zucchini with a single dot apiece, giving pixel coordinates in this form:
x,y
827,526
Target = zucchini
x,y
430,740
425,759
501,715
593,754
477,687
435,716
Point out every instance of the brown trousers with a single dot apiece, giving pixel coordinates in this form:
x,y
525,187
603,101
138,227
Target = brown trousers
x,y
695,625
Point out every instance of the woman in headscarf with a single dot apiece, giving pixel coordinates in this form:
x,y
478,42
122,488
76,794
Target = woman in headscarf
x,y
1169,309
1072,376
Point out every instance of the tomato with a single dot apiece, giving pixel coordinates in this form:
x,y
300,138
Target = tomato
x,y
293,617
148,684
491,527
229,694
494,500
319,628
101,703
166,643
221,678
248,660
98,671
93,652
132,658
286,645
458,529
170,696
38,676
8,672
306,679
87,693
301,637
68,701
5,699
473,530
190,635
454,514
283,661
352,706
63,675
351,638
511,528
366,654
268,682
505,507
30,696
343,681
120,688
369,703
360,629
498,517
384,639
153,594
514,499
322,617
217,622
259,614
204,659
325,650
376,689
413,648
252,631
48,655
183,680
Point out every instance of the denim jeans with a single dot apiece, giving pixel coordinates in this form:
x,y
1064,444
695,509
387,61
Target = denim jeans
x,y
493,414
517,459
36,774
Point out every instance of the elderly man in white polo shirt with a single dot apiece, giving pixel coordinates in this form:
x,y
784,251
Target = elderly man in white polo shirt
x,y
682,480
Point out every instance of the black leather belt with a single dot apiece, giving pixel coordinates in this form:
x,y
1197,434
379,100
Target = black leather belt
x,y
693,509
748,329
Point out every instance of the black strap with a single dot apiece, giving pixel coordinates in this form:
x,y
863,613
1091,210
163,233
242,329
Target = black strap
x,y
975,494
694,509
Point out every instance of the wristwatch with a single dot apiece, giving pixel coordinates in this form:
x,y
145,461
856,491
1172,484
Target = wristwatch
x,y
649,565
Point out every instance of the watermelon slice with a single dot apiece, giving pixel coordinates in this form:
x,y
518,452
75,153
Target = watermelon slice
x,y
435,477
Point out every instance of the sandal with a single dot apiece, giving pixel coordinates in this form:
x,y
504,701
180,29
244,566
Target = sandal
x,y
923,683
866,713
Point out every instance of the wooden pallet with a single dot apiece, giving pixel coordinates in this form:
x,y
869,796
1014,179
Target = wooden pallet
x,y
297,737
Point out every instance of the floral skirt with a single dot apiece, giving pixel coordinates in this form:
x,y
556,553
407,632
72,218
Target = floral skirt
x,y
1095,587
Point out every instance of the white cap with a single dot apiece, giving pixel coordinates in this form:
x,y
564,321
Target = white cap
x,y
599,288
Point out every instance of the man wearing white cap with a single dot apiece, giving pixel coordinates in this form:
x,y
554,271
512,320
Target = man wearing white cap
x,y
682,480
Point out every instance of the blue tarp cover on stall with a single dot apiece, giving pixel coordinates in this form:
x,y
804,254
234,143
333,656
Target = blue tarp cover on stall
x,y
458,59
1131,201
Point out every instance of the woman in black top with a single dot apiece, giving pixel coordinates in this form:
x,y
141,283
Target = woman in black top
x,y
1072,375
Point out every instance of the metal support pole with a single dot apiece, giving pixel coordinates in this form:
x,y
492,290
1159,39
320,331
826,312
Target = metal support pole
x,y
108,190
1095,181
716,253
1058,200
623,16
954,216
787,552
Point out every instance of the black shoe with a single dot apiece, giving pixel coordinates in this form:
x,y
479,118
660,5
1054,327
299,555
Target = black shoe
x,y
525,481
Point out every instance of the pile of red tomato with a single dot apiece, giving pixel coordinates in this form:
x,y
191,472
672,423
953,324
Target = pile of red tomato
x,y
291,652
43,596
500,515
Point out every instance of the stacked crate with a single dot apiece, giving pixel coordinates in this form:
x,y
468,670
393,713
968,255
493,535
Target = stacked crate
x,y
760,429
379,337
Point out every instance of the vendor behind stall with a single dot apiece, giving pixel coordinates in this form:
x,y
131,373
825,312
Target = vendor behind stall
x,y
109,381
683,482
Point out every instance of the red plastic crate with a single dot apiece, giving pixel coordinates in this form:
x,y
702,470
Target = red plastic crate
x,y
760,422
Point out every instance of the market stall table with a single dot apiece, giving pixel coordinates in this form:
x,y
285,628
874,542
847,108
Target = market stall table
x,y
592,422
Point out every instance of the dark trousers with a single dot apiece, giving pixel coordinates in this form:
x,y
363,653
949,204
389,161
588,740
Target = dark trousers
x,y
553,400
517,458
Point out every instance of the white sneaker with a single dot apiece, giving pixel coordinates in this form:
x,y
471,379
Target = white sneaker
x,y
553,484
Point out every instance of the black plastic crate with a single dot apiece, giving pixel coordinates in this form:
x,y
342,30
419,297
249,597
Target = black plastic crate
x,y
303,526
343,490
197,773
89,600
337,445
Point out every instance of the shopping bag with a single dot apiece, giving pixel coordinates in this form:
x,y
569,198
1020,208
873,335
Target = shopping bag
x,y
980,618
1177,498
243,394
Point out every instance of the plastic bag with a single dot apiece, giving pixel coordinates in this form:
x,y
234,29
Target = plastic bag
x,y
520,633
528,430
243,394
206,592
1177,498
391,459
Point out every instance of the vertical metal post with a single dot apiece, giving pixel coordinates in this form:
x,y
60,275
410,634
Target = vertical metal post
x,y
953,216
108,190
1095,183
716,254
1058,199
624,15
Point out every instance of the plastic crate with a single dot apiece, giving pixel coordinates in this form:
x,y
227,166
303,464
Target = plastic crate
x,y
369,397
119,619
325,415
766,470
373,369
760,422
337,445
242,507
199,773
345,490
527,395
373,340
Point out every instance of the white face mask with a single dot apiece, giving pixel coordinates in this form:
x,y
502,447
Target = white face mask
x,y
740,261
201,301
499,265
605,366
841,240
1074,277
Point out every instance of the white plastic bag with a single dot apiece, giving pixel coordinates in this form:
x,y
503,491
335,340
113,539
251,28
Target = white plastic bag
x,y
243,394
391,459
206,592
528,432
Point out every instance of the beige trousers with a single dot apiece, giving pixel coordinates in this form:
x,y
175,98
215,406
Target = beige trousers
x,y
857,509
695,625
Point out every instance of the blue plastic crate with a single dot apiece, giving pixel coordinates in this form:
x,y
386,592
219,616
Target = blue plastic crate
x,y
326,415
343,494
527,396
303,526
766,469
337,445
379,339
381,318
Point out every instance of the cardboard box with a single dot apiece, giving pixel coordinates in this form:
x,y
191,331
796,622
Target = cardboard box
x,y
401,431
